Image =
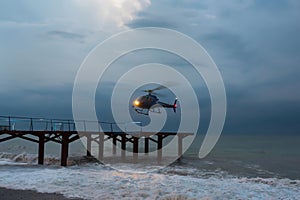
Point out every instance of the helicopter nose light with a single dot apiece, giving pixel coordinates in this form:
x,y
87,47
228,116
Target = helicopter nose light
x,y
136,103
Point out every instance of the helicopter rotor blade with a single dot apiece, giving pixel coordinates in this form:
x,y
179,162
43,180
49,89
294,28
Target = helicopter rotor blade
x,y
169,84
148,91
159,88
155,89
158,94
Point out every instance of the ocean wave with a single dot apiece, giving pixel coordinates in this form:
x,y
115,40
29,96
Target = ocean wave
x,y
194,172
94,181
26,159
32,159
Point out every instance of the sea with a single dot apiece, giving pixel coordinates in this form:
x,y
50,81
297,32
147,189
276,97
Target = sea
x,y
241,166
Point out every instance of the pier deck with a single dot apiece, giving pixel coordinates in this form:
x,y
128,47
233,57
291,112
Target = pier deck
x,y
64,132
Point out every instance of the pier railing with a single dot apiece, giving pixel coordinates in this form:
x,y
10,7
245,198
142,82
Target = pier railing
x,y
12,123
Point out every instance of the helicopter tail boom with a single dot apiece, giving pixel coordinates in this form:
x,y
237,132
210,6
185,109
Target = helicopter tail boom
x,y
174,105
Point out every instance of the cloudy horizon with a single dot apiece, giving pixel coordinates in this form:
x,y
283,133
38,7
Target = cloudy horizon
x,y
255,45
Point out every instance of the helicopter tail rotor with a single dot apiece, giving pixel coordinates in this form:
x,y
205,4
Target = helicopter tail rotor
x,y
175,105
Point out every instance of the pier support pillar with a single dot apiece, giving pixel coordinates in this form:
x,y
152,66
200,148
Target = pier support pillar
x,y
88,145
180,138
64,149
41,149
135,149
114,147
101,146
159,148
123,146
146,145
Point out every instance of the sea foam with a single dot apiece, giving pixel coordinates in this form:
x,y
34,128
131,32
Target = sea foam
x,y
94,181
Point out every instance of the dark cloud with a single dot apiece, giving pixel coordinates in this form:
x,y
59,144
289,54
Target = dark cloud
x,y
66,35
232,45
277,6
146,19
256,46
245,115
153,22
52,102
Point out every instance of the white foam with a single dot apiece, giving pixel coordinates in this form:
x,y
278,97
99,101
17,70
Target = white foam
x,y
5,161
97,182
25,158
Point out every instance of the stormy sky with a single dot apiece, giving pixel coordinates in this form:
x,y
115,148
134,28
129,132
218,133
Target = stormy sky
x,y
255,44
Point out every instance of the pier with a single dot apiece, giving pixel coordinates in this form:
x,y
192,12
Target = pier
x,y
64,132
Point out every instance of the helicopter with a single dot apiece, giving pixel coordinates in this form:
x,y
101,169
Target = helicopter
x,y
149,102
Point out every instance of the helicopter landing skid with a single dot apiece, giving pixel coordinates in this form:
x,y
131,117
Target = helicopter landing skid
x,y
146,111
142,111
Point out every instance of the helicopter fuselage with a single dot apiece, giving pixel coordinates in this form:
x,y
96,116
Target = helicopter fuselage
x,y
150,101
146,101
